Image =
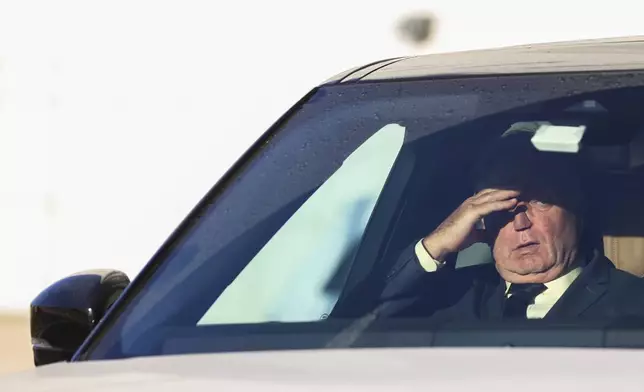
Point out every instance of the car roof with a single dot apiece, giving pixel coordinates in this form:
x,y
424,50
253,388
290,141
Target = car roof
x,y
624,53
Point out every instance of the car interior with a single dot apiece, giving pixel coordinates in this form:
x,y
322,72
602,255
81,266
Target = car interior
x,y
613,147
430,178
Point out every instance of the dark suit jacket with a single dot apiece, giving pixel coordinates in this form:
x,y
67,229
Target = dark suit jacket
x,y
600,292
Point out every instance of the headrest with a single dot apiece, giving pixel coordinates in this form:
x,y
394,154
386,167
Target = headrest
x,y
618,202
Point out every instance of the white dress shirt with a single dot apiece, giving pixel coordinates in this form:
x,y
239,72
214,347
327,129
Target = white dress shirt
x,y
542,302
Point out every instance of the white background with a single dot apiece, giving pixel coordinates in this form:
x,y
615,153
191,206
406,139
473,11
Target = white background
x,y
116,117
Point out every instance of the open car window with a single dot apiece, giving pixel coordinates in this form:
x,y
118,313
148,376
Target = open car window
x,y
339,189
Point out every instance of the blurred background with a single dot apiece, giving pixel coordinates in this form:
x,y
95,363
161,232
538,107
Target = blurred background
x,y
116,117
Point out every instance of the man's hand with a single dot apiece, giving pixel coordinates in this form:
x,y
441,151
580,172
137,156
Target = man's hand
x,y
459,231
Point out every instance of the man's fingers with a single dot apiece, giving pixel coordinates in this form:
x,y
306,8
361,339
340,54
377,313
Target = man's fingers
x,y
495,195
484,191
485,209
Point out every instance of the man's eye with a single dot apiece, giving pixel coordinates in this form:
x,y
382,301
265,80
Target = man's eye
x,y
539,204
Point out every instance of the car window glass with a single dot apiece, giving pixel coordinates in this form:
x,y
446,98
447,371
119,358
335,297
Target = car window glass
x,y
253,267
315,246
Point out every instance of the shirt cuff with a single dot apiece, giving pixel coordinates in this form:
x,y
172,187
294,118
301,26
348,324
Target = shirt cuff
x,y
426,260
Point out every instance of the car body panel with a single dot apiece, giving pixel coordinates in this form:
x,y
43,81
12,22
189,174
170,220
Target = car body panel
x,y
576,56
338,77
363,72
358,72
503,369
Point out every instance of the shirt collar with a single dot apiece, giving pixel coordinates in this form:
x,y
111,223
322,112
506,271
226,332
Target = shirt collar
x,y
559,285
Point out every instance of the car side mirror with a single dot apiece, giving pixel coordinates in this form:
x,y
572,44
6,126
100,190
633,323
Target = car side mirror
x,y
63,315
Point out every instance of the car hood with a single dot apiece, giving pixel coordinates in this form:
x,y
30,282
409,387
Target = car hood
x,y
347,370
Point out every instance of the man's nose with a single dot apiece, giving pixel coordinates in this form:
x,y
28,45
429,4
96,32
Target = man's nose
x,y
521,220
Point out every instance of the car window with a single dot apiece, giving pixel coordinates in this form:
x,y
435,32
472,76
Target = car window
x,y
309,256
332,199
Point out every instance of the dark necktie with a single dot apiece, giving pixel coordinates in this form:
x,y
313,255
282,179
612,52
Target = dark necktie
x,y
520,296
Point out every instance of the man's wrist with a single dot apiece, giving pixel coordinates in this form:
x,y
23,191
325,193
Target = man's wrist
x,y
434,251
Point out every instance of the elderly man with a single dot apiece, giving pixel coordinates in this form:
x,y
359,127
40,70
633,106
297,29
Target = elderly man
x,y
530,210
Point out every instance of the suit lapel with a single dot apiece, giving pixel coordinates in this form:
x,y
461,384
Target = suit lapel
x,y
587,289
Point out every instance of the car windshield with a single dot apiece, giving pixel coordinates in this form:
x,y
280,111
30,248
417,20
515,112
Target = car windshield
x,y
498,210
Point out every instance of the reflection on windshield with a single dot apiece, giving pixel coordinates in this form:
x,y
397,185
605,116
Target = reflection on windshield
x,y
432,214
316,243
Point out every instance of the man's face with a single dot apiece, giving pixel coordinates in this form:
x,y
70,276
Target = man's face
x,y
538,244
538,240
